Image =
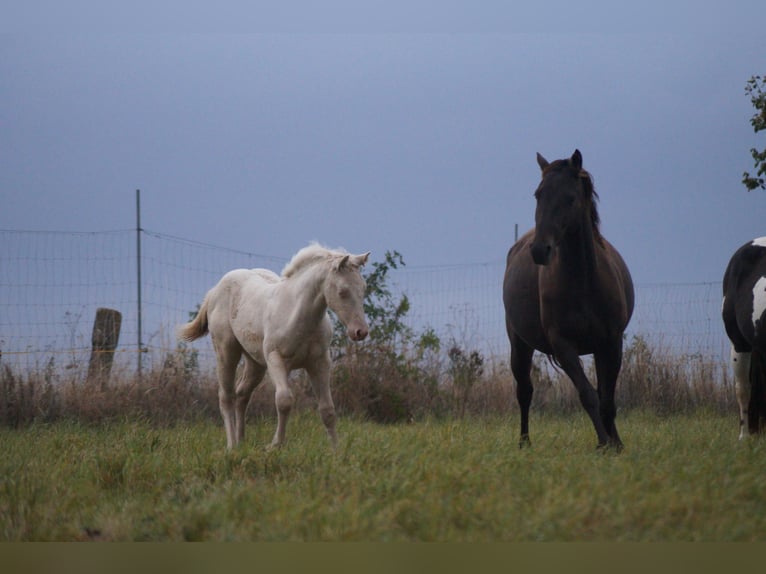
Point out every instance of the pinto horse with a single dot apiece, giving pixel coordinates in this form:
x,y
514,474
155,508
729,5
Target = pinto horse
x,y
567,292
744,318
279,324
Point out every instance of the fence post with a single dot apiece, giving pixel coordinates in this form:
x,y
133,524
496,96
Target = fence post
x,y
138,281
106,334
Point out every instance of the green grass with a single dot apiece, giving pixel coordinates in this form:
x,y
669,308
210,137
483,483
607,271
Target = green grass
x,y
681,478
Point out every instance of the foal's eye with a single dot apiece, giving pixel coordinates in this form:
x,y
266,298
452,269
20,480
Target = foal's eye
x,y
344,293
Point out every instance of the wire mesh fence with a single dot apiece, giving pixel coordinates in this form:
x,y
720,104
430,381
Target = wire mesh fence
x,y
52,283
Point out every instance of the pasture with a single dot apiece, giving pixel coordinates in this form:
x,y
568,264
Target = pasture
x,y
680,478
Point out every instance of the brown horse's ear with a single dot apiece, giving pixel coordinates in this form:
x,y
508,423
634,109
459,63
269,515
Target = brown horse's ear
x,y
542,162
576,160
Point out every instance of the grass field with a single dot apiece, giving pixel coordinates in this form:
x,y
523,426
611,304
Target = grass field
x,y
680,478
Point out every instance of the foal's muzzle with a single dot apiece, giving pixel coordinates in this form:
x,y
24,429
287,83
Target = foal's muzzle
x,y
358,333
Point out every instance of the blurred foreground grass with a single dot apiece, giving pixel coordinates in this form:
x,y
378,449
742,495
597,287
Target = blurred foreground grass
x,y
680,478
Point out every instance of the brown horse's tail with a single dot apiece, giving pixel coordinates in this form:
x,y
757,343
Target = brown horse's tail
x,y
197,327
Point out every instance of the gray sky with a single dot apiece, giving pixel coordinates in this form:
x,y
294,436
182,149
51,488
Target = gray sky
x,y
423,143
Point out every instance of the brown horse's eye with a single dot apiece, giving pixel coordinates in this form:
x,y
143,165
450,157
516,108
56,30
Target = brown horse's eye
x,y
344,293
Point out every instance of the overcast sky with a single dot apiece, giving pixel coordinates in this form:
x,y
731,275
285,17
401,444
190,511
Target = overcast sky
x,y
422,143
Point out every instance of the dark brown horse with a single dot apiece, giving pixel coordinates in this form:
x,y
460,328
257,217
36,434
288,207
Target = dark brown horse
x,y
567,292
744,317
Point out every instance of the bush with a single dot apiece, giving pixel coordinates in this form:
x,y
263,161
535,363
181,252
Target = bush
x,y
465,370
391,376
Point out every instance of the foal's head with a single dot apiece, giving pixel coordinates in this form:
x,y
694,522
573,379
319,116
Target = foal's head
x,y
344,291
566,201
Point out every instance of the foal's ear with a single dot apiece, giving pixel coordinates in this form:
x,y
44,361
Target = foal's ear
x,y
576,160
360,260
542,162
342,262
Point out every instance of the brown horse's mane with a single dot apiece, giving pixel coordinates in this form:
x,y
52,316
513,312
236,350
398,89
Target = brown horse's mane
x,y
590,194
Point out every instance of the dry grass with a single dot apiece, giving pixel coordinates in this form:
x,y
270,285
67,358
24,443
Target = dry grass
x,y
372,383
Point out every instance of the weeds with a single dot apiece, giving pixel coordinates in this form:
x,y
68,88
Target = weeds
x,y
375,382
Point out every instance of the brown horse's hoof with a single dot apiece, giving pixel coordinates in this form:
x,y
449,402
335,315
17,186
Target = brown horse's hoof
x,y
524,441
610,447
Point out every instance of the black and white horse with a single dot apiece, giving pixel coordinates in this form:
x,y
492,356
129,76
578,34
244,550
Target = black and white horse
x,y
744,317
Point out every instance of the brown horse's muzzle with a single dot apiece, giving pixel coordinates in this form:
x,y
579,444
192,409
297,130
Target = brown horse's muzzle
x,y
542,251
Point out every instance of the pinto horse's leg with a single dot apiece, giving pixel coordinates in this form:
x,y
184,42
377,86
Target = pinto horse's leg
x,y
279,371
740,363
567,357
251,377
608,365
319,373
227,354
521,364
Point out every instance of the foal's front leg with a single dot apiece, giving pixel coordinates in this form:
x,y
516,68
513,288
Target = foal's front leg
x,y
283,397
319,373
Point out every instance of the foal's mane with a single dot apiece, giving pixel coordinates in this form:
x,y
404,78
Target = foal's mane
x,y
309,255
589,191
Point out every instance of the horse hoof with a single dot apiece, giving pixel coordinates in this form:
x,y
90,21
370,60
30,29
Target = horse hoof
x,y
607,447
524,442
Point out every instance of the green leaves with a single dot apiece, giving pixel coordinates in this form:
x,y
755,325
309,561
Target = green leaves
x,y
385,311
756,89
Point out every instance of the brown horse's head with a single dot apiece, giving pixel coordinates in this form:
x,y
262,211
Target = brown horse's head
x,y
566,201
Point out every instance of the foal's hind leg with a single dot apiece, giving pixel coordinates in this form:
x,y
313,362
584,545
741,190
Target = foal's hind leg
x,y
608,366
227,354
251,377
521,364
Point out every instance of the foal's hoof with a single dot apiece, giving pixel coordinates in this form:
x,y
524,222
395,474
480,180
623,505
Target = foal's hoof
x,y
524,441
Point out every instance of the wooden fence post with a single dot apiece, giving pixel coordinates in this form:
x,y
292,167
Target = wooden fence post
x,y
106,333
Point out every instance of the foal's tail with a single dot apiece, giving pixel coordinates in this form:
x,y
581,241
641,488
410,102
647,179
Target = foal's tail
x,y
197,327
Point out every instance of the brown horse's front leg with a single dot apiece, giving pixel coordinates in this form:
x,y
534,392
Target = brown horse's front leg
x,y
569,360
521,364
608,365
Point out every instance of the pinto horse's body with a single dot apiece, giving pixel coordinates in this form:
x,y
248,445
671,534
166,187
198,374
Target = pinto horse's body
x,y
567,292
744,318
280,324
